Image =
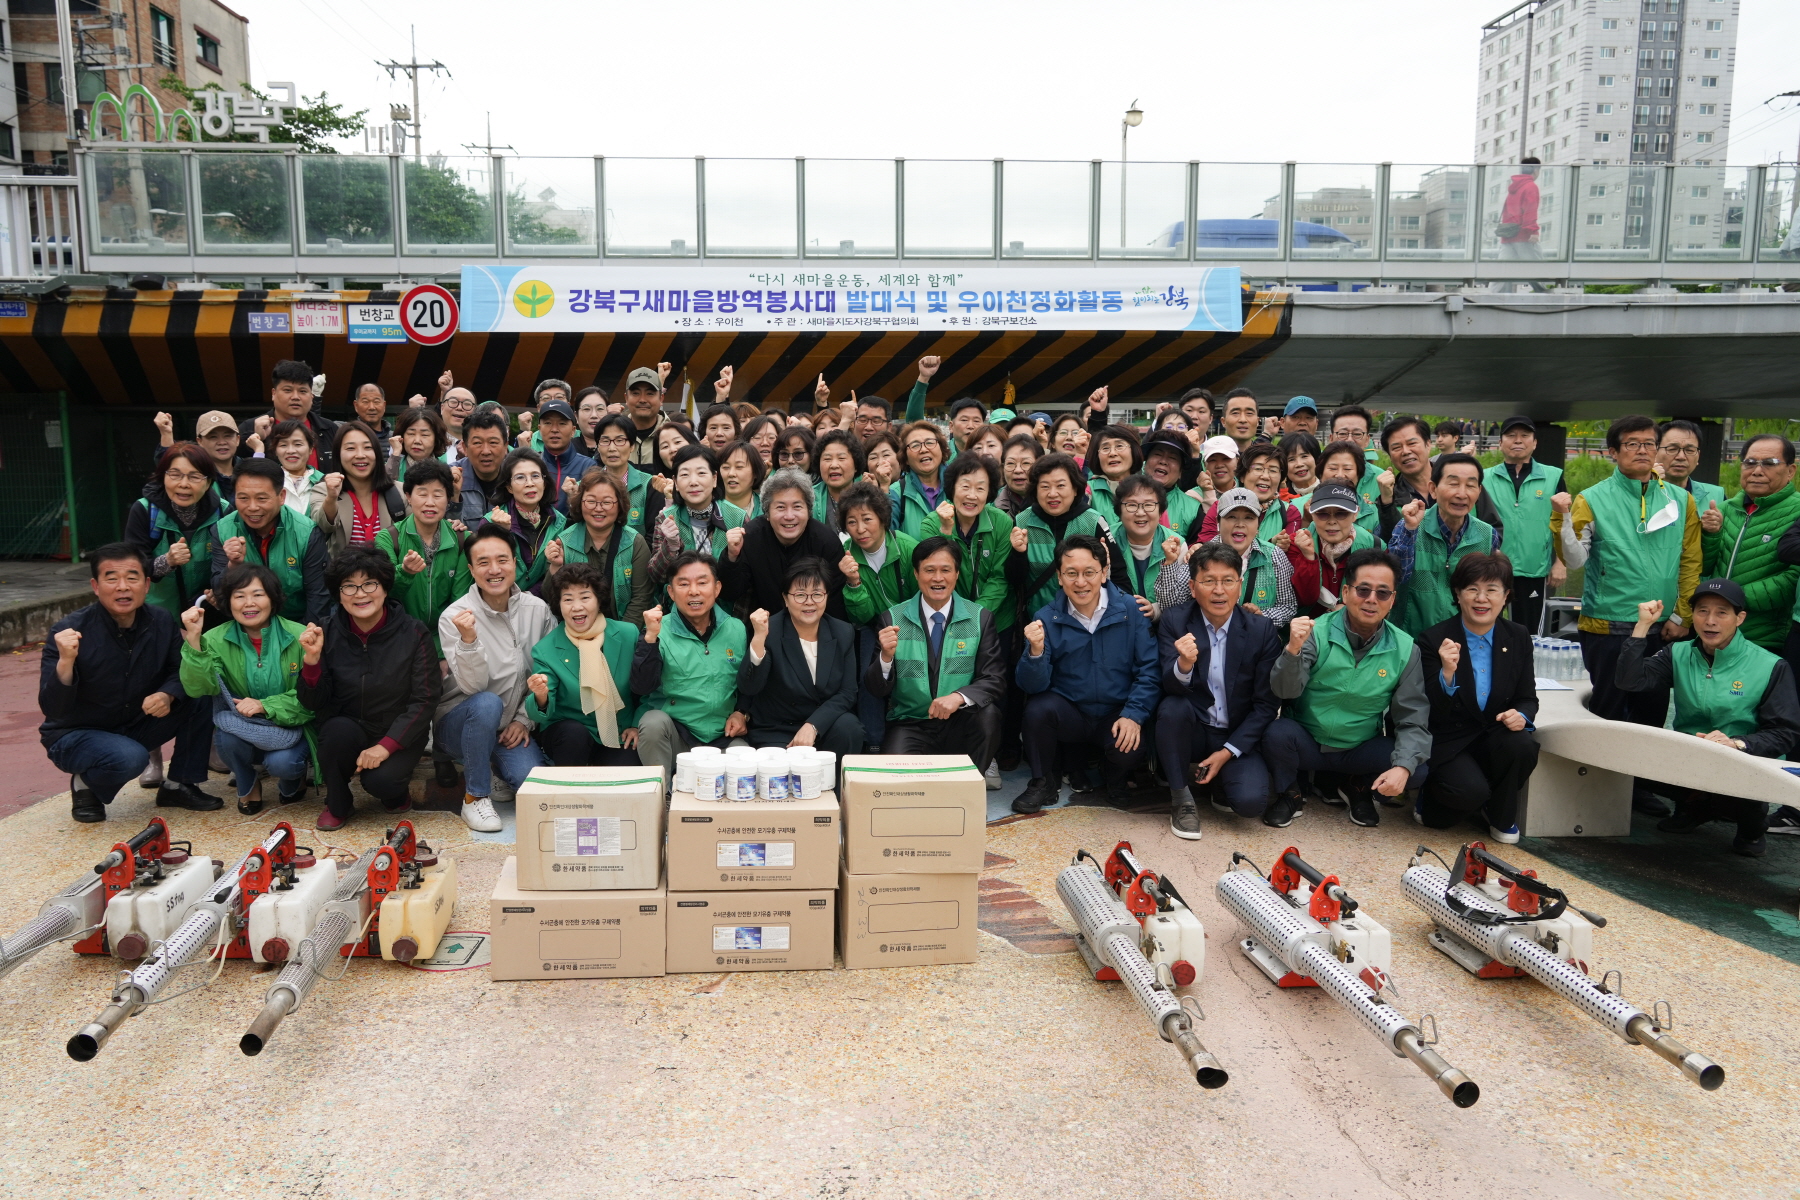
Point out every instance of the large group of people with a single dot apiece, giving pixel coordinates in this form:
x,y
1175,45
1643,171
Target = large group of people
x,y
1224,609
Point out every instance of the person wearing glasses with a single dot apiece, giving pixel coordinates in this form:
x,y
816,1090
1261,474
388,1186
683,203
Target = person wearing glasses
x,y
1678,454
455,408
613,436
1527,491
919,490
1430,541
599,538
799,681
1339,677
1639,536
1741,539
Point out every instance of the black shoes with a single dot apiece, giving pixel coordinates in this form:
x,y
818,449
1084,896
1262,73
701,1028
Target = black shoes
x,y
1362,804
446,776
1647,804
1683,822
86,807
1331,788
1751,847
186,795
291,797
1281,813
1184,821
1037,794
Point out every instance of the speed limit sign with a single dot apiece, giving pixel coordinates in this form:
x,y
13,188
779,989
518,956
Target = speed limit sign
x,y
428,314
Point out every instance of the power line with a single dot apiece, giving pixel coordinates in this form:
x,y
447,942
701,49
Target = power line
x,y
412,70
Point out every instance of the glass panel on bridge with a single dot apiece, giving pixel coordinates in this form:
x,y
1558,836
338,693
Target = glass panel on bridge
x,y
1707,211
651,207
850,208
137,202
949,208
1237,209
449,206
1507,213
1334,211
751,207
1143,210
1617,212
1431,214
1046,209
1780,231
346,204
245,204
550,206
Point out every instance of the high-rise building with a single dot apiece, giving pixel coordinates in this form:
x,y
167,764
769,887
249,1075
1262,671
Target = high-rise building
x,y
1607,82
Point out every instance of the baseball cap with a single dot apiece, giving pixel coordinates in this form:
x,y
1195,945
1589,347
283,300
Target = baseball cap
x,y
1725,590
1001,416
1166,442
556,408
1218,445
1040,416
1300,404
1334,495
644,375
210,421
1237,498
1518,422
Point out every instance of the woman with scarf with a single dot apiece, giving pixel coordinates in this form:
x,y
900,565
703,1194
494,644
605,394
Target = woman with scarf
x,y
292,443
600,539
697,517
176,525
578,695
529,514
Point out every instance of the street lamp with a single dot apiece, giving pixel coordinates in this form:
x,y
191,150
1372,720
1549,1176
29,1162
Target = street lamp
x,y
1134,116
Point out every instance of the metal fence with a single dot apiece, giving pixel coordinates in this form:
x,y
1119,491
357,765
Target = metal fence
x,y
40,226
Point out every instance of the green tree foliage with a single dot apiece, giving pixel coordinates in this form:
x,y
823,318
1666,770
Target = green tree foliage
x,y
526,227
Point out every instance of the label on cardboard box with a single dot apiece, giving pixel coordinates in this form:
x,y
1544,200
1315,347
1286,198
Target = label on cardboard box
x,y
587,835
775,845
583,828
752,931
750,937
756,854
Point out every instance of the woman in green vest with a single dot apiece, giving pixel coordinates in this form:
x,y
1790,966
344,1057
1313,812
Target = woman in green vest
x,y
1728,690
613,436
528,515
697,517
1059,509
1114,457
918,492
1141,544
579,694
741,474
1319,551
1167,461
430,569
1430,541
1342,462
968,517
877,567
176,525
600,539
257,654
837,463
418,437
1268,575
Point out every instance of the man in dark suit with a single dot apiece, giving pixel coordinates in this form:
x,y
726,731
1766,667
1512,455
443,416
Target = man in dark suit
x,y
1216,657
799,680
939,666
1480,678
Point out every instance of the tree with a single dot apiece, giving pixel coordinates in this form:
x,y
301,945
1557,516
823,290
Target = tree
x,y
308,124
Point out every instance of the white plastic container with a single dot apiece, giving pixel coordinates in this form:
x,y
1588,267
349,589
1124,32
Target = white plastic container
x,y
684,771
772,773
281,920
816,772
797,756
141,916
740,774
707,776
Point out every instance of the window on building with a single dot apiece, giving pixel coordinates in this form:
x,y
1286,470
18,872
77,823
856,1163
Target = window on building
x,y
21,84
1596,189
1641,115
1671,31
1703,137
1609,22
1701,191
1708,110
1665,88
1649,6
1634,225
162,37
1696,218
7,145
1606,81
1640,143
1609,52
1710,52
1659,144
1663,114
53,84
207,48
1597,218
1602,135
1669,60
1604,110
1715,26
1709,81
1646,60
1406,222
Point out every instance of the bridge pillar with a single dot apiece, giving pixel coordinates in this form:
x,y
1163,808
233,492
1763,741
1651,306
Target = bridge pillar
x,y
1553,445
1712,450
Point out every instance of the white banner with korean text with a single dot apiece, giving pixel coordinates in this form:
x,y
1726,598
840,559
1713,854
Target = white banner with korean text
x,y
708,296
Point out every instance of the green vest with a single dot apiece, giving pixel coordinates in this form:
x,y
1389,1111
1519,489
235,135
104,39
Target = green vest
x,y
1143,575
555,655
1425,595
1180,510
1040,554
1259,587
982,577
1344,699
705,672
1723,694
531,573
575,550
1369,492
175,592
637,498
445,577
1273,523
1627,565
225,650
913,694
287,554
1100,496
734,519
907,499
881,590
1525,515
1702,494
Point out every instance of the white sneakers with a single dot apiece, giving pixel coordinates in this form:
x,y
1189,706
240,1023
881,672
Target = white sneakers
x,y
478,813
992,775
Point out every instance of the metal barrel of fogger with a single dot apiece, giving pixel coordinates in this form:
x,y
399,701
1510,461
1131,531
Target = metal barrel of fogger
x,y
193,936
1278,928
1514,947
81,905
334,927
1112,933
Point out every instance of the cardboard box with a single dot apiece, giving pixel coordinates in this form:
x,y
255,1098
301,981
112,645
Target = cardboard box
x,y
920,813
762,845
901,920
590,827
751,931
618,934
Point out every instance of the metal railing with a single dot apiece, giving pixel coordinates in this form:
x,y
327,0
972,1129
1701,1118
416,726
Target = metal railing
x,y
40,226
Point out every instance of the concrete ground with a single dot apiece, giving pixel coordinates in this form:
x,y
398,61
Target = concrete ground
x,y
1014,1075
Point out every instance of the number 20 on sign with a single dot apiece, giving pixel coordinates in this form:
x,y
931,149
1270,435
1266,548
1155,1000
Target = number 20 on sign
x,y
429,314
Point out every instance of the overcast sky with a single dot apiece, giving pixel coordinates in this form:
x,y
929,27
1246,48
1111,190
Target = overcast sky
x,y
1249,81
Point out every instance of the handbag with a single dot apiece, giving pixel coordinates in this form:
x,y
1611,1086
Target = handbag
x,y
260,732
1506,230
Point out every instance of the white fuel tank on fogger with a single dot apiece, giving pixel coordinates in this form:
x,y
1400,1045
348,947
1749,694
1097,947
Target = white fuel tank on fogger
x,y
1125,915
1316,945
1515,925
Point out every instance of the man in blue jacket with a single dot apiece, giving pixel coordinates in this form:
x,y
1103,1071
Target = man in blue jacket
x,y
557,429
1089,669
1215,658
110,691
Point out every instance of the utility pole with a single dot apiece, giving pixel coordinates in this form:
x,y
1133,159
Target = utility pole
x,y
488,147
412,70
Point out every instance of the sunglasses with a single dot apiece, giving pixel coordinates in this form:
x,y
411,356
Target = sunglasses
x,y
1365,592
1766,463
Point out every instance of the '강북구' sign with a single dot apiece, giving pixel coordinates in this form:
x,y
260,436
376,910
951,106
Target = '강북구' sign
x,y
571,299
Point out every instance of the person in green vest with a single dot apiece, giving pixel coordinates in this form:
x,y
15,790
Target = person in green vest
x,y
176,526
1338,678
918,491
686,667
1343,462
257,655
741,474
584,717
1639,537
1728,690
1141,544
1267,572
1677,455
877,569
968,517
1740,539
1166,461
429,568
263,531
529,514
1114,457
601,539
1429,542
1319,552
837,462
1526,491
697,517
1059,508
939,666
613,438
